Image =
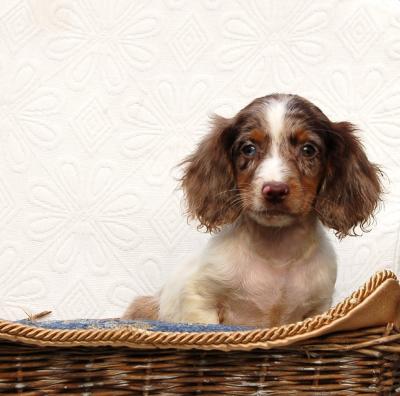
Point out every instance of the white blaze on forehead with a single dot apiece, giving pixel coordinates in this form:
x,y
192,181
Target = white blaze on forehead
x,y
275,117
273,167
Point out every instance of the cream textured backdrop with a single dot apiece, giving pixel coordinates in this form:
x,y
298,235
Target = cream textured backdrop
x,y
100,99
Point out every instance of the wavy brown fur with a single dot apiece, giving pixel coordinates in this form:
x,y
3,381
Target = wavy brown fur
x,y
208,180
351,190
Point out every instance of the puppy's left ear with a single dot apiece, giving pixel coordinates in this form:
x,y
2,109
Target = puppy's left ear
x,y
351,189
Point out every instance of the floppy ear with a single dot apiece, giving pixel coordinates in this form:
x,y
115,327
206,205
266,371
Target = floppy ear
x,y
351,189
208,180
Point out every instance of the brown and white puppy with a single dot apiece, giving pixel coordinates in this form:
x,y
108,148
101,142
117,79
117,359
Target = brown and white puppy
x,y
267,180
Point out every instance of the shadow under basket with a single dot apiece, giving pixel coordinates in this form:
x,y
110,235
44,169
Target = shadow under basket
x,y
352,349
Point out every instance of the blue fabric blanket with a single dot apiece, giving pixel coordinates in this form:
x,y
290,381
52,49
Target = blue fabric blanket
x,y
140,324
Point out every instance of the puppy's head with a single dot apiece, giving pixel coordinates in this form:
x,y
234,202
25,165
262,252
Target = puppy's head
x,y
277,161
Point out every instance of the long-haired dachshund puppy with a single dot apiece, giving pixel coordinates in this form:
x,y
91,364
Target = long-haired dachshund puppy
x,y
267,179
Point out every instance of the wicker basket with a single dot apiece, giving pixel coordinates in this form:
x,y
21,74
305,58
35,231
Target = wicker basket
x,y
353,349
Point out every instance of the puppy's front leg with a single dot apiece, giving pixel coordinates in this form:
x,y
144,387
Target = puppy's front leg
x,y
197,309
199,303
193,296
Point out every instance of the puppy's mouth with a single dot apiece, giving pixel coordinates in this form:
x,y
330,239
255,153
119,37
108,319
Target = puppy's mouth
x,y
271,215
273,212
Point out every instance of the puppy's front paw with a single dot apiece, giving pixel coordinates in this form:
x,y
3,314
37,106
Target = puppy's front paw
x,y
205,317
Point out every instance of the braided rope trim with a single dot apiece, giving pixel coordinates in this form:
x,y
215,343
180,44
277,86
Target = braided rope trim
x,y
138,338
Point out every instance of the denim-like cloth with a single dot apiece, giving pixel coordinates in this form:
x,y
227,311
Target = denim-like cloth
x,y
139,324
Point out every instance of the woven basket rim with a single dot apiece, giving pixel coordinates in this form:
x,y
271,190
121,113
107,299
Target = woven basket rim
x,y
132,337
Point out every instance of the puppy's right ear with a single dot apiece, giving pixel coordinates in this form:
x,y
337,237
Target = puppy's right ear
x,y
209,181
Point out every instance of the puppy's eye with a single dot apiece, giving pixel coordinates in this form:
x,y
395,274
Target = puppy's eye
x,y
308,150
249,150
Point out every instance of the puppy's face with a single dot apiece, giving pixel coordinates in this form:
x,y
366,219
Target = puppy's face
x,y
278,156
277,161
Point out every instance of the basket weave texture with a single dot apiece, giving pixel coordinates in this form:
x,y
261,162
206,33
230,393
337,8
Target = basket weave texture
x,y
336,353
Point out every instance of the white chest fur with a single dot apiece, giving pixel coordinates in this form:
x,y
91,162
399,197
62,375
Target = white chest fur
x,y
270,283
255,279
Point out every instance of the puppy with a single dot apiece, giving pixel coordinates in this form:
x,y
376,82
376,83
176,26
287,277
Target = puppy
x,y
268,180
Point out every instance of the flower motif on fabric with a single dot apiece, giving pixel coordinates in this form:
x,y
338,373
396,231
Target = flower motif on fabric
x,y
103,40
164,125
27,116
273,42
20,289
371,103
82,216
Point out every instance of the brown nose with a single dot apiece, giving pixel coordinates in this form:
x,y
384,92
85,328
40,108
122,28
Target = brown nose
x,y
275,192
